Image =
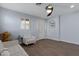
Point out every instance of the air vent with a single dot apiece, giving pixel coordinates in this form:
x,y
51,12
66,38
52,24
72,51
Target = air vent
x,y
38,3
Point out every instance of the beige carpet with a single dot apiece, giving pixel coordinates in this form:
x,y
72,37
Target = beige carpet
x,y
47,47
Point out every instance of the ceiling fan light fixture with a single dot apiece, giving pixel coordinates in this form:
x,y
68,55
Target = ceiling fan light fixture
x,y
48,11
50,6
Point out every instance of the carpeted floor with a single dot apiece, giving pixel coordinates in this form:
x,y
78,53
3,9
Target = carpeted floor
x,y
47,47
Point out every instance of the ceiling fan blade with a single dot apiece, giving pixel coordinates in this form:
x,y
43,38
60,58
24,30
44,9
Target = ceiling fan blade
x,y
49,14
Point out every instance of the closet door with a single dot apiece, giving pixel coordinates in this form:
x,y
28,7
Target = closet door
x,y
41,28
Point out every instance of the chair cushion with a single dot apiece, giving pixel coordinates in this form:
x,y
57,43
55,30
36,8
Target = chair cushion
x,y
10,43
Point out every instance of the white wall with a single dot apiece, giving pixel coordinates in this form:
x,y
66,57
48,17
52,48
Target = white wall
x,y
69,26
53,33
11,21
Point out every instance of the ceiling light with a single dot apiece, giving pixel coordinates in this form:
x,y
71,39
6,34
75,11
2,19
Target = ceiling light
x,y
72,6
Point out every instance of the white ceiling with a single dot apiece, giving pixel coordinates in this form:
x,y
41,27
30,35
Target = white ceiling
x,y
39,11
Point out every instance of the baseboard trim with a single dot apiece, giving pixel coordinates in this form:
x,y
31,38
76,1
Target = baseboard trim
x,y
62,41
70,42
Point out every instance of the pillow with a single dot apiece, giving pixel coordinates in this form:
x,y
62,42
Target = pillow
x,y
1,46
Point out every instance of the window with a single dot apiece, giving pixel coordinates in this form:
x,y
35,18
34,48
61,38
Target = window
x,y
25,24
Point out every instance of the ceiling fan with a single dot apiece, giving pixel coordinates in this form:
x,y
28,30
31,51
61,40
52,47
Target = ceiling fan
x,y
49,8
